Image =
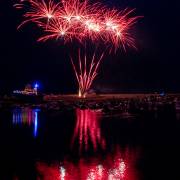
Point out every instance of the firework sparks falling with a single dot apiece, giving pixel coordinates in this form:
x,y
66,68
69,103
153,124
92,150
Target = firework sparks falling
x,y
86,72
75,19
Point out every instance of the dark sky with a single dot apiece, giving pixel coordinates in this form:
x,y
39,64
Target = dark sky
x,y
153,67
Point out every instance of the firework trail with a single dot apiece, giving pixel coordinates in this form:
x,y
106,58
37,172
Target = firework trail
x,y
86,72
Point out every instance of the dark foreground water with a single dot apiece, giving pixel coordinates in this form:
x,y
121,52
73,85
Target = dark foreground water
x,y
89,145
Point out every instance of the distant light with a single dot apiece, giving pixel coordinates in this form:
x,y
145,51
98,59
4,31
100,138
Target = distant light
x,y
162,94
36,85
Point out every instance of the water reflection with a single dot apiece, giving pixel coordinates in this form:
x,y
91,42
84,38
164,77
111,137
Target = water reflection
x,y
87,130
26,116
119,165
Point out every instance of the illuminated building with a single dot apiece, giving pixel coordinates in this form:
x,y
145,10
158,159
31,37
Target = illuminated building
x,y
28,90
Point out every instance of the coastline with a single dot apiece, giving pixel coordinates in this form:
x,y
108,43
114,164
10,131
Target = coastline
x,y
132,103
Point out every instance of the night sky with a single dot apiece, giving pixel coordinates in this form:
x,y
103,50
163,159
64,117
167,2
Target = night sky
x,y
153,67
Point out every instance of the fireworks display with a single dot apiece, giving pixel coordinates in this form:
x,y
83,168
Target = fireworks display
x,y
76,19
81,20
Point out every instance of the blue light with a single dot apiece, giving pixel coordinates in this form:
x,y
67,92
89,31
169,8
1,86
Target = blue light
x,y
36,123
36,85
36,119
26,116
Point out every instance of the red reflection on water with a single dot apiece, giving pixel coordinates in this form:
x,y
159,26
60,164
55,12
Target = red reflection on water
x,y
87,130
117,166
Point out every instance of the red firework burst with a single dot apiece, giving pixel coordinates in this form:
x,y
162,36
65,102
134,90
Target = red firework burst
x,y
117,25
38,10
75,19
57,29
